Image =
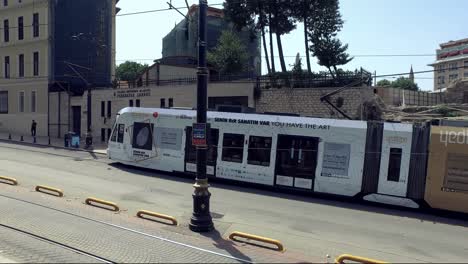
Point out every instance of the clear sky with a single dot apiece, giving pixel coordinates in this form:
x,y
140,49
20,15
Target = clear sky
x,y
372,27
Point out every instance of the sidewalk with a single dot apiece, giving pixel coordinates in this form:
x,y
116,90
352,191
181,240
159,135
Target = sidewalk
x,y
5,260
98,147
119,237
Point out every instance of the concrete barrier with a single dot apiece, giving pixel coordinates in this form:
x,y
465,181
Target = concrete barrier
x,y
91,200
266,240
8,180
142,213
342,258
43,189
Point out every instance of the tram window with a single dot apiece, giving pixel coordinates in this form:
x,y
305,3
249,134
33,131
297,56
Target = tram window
x,y
142,136
213,145
114,134
121,131
233,148
259,151
394,165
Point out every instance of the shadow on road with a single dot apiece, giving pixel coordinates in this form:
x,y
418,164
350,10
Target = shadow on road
x,y
424,215
227,245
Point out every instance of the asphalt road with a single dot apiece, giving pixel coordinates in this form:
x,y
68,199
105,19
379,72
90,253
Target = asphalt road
x,y
314,226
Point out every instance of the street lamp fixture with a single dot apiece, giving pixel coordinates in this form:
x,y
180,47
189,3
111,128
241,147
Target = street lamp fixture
x,y
201,220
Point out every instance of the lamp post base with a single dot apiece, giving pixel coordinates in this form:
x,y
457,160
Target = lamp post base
x,y
201,220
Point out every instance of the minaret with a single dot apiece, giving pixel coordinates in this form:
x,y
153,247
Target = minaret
x,y
411,74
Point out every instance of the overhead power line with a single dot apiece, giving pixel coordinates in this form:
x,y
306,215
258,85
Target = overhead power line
x,y
159,10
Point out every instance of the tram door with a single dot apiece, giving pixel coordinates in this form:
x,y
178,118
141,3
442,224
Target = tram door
x,y
191,155
296,161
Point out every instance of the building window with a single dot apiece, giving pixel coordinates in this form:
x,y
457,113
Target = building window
x,y
441,68
33,101
142,136
453,77
20,28
36,25
5,2
109,109
21,102
453,66
233,148
137,103
103,108
171,102
120,133
259,151
3,102
394,165
130,103
465,75
163,103
7,67
6,30
36,63
114,134
465,64
21,65
103,134
441,80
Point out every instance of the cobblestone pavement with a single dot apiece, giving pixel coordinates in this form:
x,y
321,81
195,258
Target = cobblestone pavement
x,y
21,248
116,237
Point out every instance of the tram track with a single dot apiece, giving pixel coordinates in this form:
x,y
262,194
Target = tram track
x,y
58,244
108,225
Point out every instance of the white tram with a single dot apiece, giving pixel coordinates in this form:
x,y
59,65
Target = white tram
x,y
340,157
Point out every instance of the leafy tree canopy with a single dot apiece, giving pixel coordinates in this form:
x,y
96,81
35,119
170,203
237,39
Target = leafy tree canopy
x,y
130,70
230,55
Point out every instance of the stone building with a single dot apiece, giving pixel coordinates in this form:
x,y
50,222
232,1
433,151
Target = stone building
x,y
451,63
47,49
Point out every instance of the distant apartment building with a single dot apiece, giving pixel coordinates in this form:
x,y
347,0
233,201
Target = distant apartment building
x,y
49,48
182,41
451,63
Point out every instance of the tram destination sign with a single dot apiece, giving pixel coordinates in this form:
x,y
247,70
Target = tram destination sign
x,y
199,134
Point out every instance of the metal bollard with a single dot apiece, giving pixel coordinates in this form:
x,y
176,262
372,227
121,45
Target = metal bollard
x,y
9,136
34,140
49,141
22,139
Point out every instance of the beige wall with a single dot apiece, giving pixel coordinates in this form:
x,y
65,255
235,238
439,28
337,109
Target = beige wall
x,y
398,97
306,101
182,95
17,122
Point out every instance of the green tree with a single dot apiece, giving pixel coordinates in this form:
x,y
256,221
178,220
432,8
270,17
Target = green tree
x,y
405,84
330,54
130,70
384,82
230,55
323,27
243,13
297,66
283,22
303,10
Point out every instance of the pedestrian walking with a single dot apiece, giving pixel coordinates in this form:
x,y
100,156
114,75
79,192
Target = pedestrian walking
x,y
33,128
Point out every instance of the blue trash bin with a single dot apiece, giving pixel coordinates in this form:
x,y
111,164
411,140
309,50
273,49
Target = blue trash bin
x,y
75,140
